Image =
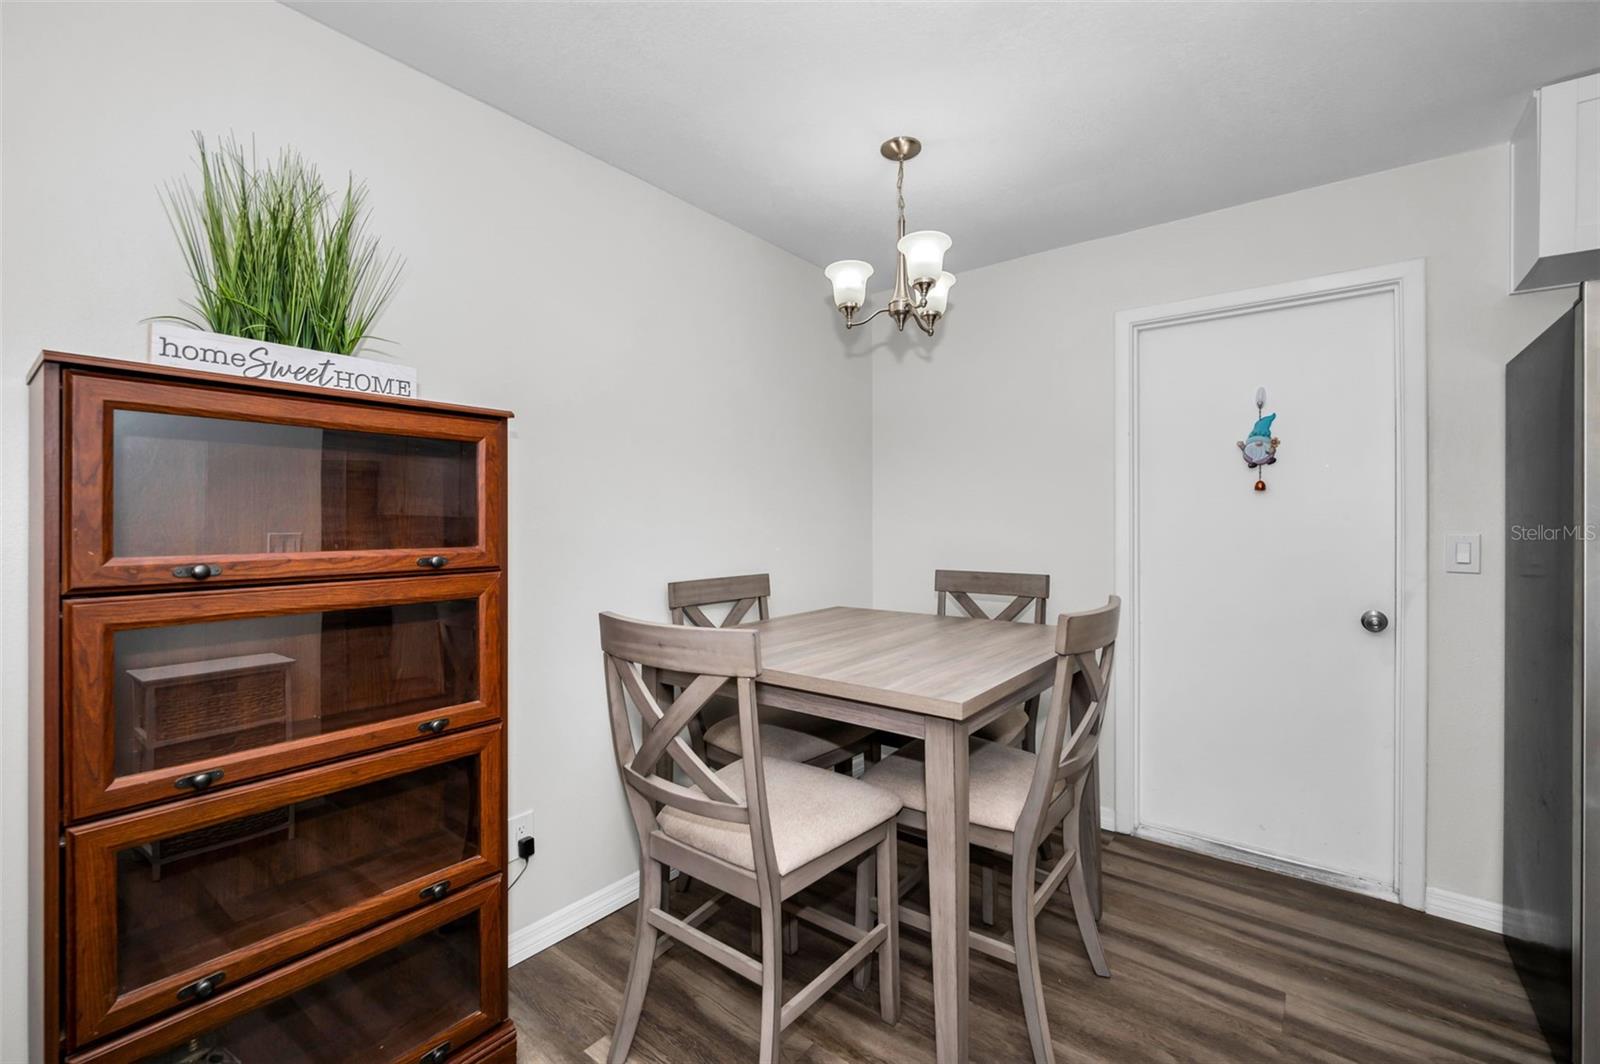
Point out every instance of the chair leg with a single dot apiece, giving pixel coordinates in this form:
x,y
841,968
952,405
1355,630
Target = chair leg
x,y
889,915
1025,934
771,980
986,899
1084,912
864,880
1096,901
1030,735
644,953
790,937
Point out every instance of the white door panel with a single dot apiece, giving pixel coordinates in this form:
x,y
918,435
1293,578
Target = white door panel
x,y
1266,712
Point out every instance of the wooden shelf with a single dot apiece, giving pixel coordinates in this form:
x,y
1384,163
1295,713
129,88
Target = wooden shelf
x,y
290,772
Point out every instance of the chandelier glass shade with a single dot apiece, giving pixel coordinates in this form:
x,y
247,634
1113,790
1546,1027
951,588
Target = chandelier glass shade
x,y
939,295
924,254
849,277
921,284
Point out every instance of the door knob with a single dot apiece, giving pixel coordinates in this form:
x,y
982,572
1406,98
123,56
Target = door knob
x,y
1374,620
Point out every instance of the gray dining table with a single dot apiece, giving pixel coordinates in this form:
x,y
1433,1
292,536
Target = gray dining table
x,y
931,678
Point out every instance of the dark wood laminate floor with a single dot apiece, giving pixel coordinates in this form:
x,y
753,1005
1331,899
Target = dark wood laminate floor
x,y
1210,961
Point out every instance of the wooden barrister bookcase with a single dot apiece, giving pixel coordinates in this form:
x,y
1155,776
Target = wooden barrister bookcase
x,y
268,722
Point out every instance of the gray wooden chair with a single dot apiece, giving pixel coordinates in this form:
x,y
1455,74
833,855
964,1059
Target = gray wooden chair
x,y
787,735
759,829
1029,592
1018,798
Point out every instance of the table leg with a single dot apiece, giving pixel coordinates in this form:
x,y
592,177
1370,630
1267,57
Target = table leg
x,y
949,883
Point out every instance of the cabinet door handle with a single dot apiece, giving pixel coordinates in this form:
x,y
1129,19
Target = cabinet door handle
x,y
434,726
201,989
198,781
435,1055
198,571
433,561
435,892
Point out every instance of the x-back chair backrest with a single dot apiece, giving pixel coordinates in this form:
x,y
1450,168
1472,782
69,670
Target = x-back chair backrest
x,y
1086,645
688,597
636,652
1026,589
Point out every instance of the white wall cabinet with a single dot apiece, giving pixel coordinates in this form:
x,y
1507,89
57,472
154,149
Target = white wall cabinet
x,y
1555,187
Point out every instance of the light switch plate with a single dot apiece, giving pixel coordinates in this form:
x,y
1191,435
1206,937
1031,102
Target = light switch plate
x,y
1463,552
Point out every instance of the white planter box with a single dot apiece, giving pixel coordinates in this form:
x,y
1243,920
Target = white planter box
x,y
233,356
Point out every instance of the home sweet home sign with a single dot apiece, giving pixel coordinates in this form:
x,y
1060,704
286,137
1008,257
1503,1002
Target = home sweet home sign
x,y
234,356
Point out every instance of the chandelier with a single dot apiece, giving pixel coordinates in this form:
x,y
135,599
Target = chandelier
x,y
921,285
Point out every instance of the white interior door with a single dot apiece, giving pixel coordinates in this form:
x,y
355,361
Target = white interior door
x,y
1266,711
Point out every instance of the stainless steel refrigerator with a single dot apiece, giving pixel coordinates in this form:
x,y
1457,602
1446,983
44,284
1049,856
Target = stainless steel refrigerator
x,y
1552,695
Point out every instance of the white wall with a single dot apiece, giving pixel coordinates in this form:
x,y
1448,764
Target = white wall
x,y
992,443
680,412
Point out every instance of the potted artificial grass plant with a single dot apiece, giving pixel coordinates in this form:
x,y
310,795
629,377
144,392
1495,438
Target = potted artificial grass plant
x,y
285,274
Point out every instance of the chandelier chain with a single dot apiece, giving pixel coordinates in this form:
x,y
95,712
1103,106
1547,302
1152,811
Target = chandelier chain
x,y
900,189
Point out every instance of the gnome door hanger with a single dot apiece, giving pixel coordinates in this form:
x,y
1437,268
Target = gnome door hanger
x,y
1260,448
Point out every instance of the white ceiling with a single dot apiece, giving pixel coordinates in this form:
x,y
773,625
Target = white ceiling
x,y
1043,124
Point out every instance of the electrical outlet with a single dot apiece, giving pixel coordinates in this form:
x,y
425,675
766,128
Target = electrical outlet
x,y
521,828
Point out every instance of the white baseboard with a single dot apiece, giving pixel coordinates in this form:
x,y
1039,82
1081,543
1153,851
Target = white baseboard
x,y
1464,909
569,920
1108,818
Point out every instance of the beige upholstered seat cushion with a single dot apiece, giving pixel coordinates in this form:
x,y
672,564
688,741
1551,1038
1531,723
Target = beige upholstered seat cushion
x,y
787,735
1005,728
999,780
811,810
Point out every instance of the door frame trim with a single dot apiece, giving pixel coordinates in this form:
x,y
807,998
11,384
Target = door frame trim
x,y
1406,281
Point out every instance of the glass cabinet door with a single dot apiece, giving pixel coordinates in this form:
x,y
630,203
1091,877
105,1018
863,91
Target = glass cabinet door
x,y
433,978
170,906
170,696
174,484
